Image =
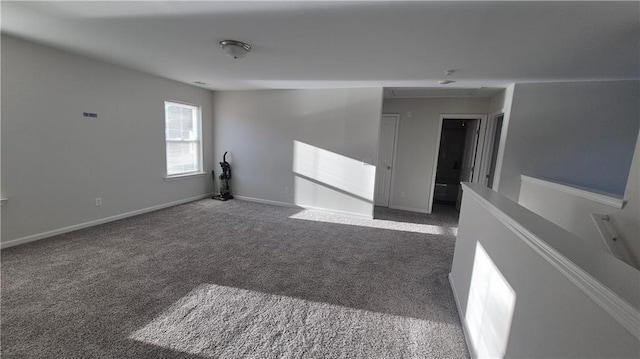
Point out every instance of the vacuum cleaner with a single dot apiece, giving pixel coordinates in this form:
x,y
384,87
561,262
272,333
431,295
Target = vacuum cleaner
x,y
225,176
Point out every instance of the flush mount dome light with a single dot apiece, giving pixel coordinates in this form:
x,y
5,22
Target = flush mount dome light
x,y
235,49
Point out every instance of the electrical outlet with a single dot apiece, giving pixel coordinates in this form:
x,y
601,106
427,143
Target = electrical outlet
x,y
402,194
98,201
286,190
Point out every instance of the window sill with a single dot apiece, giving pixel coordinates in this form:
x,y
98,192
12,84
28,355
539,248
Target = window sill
x,y
184,176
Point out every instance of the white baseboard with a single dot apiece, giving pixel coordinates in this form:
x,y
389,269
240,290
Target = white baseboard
x,y
335,211
410,209
285,204
75,227
265,201
465,329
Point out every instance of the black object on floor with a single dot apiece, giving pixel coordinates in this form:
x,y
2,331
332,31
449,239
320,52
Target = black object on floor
x,y
225,176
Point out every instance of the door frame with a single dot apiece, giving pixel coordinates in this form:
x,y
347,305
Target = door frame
x,y
393,157
489,139
479,148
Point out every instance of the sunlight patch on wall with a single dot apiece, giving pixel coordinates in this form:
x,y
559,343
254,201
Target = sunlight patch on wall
x,y
334,170
222,322
320,216
489,307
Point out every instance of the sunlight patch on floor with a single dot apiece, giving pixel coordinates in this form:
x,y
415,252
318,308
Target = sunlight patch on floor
x,y
320,216
224,322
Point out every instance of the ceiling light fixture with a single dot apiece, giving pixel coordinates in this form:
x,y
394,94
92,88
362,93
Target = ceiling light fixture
x,y
235,49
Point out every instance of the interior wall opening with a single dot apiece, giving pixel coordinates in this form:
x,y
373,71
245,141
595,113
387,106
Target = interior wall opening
x,y
456,159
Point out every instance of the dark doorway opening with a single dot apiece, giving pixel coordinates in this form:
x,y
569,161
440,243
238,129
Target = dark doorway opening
x,y
456,159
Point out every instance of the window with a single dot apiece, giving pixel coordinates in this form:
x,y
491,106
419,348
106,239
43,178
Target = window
x,y
183,138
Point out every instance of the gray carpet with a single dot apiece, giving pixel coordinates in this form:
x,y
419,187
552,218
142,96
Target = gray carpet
x,y
236,280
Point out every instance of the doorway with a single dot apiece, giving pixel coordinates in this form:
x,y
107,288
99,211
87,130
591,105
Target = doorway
x,y
456,159
386,157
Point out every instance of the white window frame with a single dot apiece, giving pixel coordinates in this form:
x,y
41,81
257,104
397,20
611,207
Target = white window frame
x,y
199,170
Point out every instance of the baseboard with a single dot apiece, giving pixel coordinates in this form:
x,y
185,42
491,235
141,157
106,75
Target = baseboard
x,y
75,227
285,204
465,329
265,201
335,211
410,209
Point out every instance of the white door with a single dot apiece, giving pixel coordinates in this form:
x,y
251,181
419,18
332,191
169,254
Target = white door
x,y
386,147
468,170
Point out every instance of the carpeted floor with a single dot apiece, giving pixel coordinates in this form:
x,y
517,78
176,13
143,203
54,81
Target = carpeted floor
x,y
236,279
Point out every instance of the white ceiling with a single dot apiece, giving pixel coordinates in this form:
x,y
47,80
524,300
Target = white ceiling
x,y
345,44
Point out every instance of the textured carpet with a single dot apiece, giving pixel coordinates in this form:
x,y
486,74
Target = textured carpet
x,y
236,279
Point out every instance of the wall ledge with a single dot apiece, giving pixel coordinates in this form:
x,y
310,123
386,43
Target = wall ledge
x,y
603,198
531,228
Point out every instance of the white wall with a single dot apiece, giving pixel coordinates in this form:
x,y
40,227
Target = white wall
x,y
582,133
417,149
568,207
55,162
627,221
320,144
560,311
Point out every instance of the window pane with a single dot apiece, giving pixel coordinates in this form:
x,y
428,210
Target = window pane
x,y
181,122
182,157
173,123
183,142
